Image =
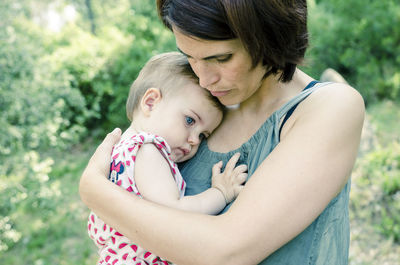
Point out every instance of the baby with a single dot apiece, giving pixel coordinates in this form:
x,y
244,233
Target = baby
x,y
170,114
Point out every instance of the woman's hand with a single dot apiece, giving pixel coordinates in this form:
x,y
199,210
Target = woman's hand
x,y
99,163
230,182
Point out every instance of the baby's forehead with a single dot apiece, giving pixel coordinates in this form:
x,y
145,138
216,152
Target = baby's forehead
x,y
189,88
185,86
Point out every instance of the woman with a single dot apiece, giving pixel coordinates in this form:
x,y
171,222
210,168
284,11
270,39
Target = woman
x,y
298,137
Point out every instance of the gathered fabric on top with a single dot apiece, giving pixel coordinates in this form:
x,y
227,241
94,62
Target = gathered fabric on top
x,y
326,240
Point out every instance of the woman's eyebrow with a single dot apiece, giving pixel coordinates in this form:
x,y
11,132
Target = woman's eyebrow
x,y
205,58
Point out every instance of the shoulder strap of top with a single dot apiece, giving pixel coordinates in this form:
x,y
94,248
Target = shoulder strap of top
x,y
288,109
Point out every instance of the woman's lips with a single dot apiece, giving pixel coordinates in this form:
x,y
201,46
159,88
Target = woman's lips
x,y
219,93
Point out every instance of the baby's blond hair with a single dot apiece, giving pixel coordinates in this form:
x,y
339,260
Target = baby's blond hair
x,y
167,72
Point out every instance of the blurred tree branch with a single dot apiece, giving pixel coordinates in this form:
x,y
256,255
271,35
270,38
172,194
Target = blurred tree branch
x,y
91,16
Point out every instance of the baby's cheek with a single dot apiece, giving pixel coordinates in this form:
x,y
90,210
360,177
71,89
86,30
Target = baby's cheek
x,y
192,152
186,157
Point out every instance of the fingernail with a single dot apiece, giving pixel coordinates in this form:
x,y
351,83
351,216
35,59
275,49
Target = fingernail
x,y
116,131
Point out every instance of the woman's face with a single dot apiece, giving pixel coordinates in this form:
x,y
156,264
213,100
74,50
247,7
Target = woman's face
x,y
223,67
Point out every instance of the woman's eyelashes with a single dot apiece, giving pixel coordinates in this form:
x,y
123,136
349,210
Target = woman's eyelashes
x,y
223,58
219,58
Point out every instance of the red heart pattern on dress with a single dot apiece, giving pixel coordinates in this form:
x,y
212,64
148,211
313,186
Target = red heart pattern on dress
x,y
116,249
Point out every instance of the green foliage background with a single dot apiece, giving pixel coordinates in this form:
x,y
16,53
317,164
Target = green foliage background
x,y
61,91
360,39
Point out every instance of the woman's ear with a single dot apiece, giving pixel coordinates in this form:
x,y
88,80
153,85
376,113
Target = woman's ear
x,y
150,99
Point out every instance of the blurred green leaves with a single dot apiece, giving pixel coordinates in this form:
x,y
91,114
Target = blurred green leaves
x,y
57,88
360,39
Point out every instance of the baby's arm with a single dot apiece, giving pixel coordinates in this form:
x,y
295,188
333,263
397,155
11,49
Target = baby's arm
x,y
155,182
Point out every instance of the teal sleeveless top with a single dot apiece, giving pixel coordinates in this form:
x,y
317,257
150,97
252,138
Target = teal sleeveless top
x,y
326,240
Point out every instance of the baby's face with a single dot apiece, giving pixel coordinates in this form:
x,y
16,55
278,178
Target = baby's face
x,y
184,119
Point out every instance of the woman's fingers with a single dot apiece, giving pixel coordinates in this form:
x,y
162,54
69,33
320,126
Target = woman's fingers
x,y
112,138
100,160
109,141
99,164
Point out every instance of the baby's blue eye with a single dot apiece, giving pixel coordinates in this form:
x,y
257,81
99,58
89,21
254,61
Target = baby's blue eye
x,y
189,120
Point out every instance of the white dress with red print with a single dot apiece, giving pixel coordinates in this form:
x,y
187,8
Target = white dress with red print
x,y
115,248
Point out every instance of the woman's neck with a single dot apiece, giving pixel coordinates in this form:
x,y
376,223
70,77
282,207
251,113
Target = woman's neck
x,y
249,116
273,94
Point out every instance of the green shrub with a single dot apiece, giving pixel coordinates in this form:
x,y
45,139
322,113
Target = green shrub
x,y
148,38
36,98
52,87
358,39
84,58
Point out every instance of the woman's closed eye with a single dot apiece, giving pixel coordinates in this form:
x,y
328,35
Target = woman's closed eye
x,y
223,58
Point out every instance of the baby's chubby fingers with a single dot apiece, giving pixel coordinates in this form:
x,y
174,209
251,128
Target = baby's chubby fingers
x,y
241,178
238,189
230,180
240,169
232,162
216,169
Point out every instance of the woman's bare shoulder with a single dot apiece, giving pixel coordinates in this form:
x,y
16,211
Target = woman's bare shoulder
x,y
336,103
336,96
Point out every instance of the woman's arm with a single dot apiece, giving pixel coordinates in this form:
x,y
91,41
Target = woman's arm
x,y
309,167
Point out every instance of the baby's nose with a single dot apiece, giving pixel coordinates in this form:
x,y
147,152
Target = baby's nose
x,y
194,139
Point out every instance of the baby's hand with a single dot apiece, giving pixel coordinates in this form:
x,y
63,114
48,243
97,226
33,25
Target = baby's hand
x,y
230,182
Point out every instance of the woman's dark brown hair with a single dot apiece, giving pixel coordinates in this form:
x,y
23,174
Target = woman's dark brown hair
x,y
274,32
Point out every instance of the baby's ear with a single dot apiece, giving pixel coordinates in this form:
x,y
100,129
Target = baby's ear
x,y
150,99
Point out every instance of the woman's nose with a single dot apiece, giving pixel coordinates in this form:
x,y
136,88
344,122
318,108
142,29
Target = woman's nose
x,y
206,74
